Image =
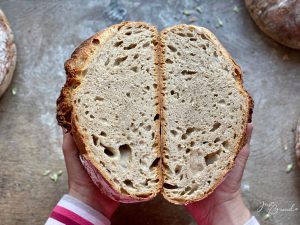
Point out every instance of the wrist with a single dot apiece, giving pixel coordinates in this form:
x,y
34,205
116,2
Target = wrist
x,y
98,201
232,212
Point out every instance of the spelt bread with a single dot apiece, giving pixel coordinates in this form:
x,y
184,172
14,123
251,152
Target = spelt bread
x,y
7,54
133,97
205,112
110,103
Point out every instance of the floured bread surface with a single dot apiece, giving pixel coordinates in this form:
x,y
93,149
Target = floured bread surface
x,y
115,108
7,54
205,113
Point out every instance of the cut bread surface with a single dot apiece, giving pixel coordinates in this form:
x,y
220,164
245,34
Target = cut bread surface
x,y
114,109
133,97
205,113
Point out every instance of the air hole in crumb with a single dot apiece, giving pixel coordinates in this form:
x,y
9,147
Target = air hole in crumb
x,y
148,128
203,36
118,43
136,56
125,153
153,135
87,112
128,183
134,69
217,140
234,136
180,34
128,94
131,46
190,130
208,181
225,144
107,62
215,126
184,136
95,139
174,132
193,39
177,169
147,88
192,144
170,186
96,41
146,44
119,60
98,98
154,164
92,116
188,72
154,86
109,152
156,117
169,61
212,157
102,133
222,101
128,33
172,48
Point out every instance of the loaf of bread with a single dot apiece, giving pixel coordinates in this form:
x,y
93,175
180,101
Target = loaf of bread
x,y
7,54
155,112
279,19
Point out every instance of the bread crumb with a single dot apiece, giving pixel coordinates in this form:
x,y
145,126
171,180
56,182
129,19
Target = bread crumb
x,y
236,9
14,90
219,23
289,168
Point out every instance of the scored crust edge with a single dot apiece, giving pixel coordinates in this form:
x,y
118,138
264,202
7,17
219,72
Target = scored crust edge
x,y
243,91
75,67
9,68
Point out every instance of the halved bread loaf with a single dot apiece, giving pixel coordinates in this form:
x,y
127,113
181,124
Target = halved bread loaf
x,y
205,112
133,96
110,103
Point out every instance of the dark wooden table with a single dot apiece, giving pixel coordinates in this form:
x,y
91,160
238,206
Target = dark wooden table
x,y
46,33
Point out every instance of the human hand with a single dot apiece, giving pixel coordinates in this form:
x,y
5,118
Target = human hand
x,y
80,184
225,205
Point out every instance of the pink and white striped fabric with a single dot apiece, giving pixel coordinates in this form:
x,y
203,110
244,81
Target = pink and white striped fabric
x,y
71,211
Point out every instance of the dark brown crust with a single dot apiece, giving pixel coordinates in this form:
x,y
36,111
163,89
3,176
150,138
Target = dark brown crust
x,y
247,119
278,19
74,67
10,55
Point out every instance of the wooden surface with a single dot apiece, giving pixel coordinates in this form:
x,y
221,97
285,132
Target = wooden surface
x,y
46,33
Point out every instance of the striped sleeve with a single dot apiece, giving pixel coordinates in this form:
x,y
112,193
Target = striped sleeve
x,y
72,211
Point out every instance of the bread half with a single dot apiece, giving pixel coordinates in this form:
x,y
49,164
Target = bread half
x,y
110,104
205,112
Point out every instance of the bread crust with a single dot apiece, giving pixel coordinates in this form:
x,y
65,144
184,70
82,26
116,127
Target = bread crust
x,y
75,67
247,118
8,54
278,19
